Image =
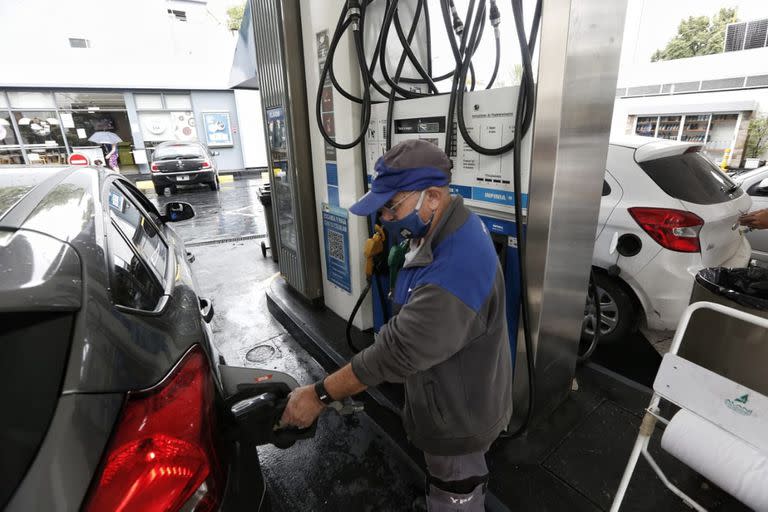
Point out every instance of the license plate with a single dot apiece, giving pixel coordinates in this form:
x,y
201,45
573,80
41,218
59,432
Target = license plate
x,y
182,178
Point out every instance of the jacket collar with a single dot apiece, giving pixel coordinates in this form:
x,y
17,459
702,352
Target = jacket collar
x,y
454,217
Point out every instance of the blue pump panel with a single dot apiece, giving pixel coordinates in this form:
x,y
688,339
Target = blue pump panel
x,y
504,234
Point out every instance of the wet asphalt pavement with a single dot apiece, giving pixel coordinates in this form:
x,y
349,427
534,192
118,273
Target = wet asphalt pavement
x,y
350,464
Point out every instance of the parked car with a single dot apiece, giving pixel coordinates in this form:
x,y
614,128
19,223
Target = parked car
x,y
666,212
183,163
755,184
115,396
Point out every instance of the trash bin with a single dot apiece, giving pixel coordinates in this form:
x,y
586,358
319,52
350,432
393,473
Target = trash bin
x,y
723,344
265,198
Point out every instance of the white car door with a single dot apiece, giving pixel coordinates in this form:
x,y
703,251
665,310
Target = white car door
x,y
611,196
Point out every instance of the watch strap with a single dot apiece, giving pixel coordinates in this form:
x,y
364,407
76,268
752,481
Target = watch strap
x,y
322,393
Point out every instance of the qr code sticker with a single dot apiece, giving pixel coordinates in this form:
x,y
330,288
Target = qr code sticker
x,y
336,245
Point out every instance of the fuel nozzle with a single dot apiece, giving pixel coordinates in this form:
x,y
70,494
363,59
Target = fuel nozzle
x,y
353,13
494,16
458,25
374,246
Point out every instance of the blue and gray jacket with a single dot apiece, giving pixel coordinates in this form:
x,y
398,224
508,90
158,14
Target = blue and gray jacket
x,y
448,342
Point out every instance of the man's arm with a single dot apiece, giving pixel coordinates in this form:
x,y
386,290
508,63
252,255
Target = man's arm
x,y
304,405
432,327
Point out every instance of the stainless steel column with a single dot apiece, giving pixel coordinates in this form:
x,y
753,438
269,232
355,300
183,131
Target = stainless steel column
x,y
578,67
280,67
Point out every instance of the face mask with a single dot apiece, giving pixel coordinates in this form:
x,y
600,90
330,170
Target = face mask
x,y
409,227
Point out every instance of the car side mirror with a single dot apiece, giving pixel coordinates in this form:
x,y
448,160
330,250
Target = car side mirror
x,y
763,185
176,211
215,153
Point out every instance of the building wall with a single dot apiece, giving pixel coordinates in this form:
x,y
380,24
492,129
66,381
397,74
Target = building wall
x,y
749,102
230,158
134,44
251,128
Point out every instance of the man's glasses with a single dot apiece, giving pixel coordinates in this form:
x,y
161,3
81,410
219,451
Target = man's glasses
x,y
391,208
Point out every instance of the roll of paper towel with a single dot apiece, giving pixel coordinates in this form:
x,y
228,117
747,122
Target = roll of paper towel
x,y
730,463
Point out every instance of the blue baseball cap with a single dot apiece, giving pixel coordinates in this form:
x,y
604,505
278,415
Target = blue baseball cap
x,y
413,164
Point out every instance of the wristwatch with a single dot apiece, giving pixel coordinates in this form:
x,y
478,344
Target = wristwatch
x,y
322,393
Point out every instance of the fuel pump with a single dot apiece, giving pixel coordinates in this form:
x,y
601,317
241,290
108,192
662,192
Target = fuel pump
x,y
526,158
432,115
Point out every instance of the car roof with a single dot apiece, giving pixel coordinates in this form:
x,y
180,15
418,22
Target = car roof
x,y
171,143
748,175
26,190
649,148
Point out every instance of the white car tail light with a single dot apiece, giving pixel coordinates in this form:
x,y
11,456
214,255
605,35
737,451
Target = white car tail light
x,y
676,230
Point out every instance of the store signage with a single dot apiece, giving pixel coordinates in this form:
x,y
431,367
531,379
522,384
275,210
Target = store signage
x,y
77,159
218,129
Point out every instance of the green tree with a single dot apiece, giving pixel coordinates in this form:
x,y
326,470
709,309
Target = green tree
x,y
698,35
757,137
235,16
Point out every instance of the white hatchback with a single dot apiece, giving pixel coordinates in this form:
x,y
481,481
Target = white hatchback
x,y
666,212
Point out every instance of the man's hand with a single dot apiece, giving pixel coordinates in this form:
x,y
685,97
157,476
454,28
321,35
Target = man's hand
x,y
303,407
755,220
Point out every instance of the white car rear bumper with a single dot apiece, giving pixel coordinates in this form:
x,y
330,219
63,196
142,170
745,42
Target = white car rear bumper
x,y
664,286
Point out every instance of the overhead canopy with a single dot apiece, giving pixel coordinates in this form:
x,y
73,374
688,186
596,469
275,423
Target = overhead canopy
x,y
243,73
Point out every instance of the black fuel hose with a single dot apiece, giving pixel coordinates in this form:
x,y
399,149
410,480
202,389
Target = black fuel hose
x,y
406,45
517,9
365,115
523,96
458,51
595,294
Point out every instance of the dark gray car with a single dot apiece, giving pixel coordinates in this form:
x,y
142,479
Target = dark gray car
x,y
177,163
115,397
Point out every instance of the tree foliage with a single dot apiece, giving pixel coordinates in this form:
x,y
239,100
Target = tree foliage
x,y
757,137
235,16
698,35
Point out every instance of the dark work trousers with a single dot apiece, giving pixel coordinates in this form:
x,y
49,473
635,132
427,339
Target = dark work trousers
x,y
457,483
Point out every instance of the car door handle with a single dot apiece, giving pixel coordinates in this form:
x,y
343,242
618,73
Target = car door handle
x,y
206,310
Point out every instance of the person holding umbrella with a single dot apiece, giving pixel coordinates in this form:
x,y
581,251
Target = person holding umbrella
x,y
108,141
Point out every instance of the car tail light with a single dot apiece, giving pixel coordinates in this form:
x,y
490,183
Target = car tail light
x,y
154,167
206,164
676,230
162,455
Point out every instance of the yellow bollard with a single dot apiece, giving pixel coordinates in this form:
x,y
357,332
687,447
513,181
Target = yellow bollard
x,y
726,154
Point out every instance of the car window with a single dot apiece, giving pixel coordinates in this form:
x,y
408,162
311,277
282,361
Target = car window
x,y
691,177
131,282
755,190
137,228
178,151
138,196
606,188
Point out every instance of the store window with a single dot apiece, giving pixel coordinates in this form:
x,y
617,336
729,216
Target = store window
x,y
695,128
669,127
10,152
646,126
31,100
41,134
7,134
90,100
3,100
148,101
722,132
178,102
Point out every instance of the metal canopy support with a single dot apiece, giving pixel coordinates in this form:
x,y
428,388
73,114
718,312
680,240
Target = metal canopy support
x,y
578,68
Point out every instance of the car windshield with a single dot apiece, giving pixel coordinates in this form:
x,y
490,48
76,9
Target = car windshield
x,y
178,151
691,177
